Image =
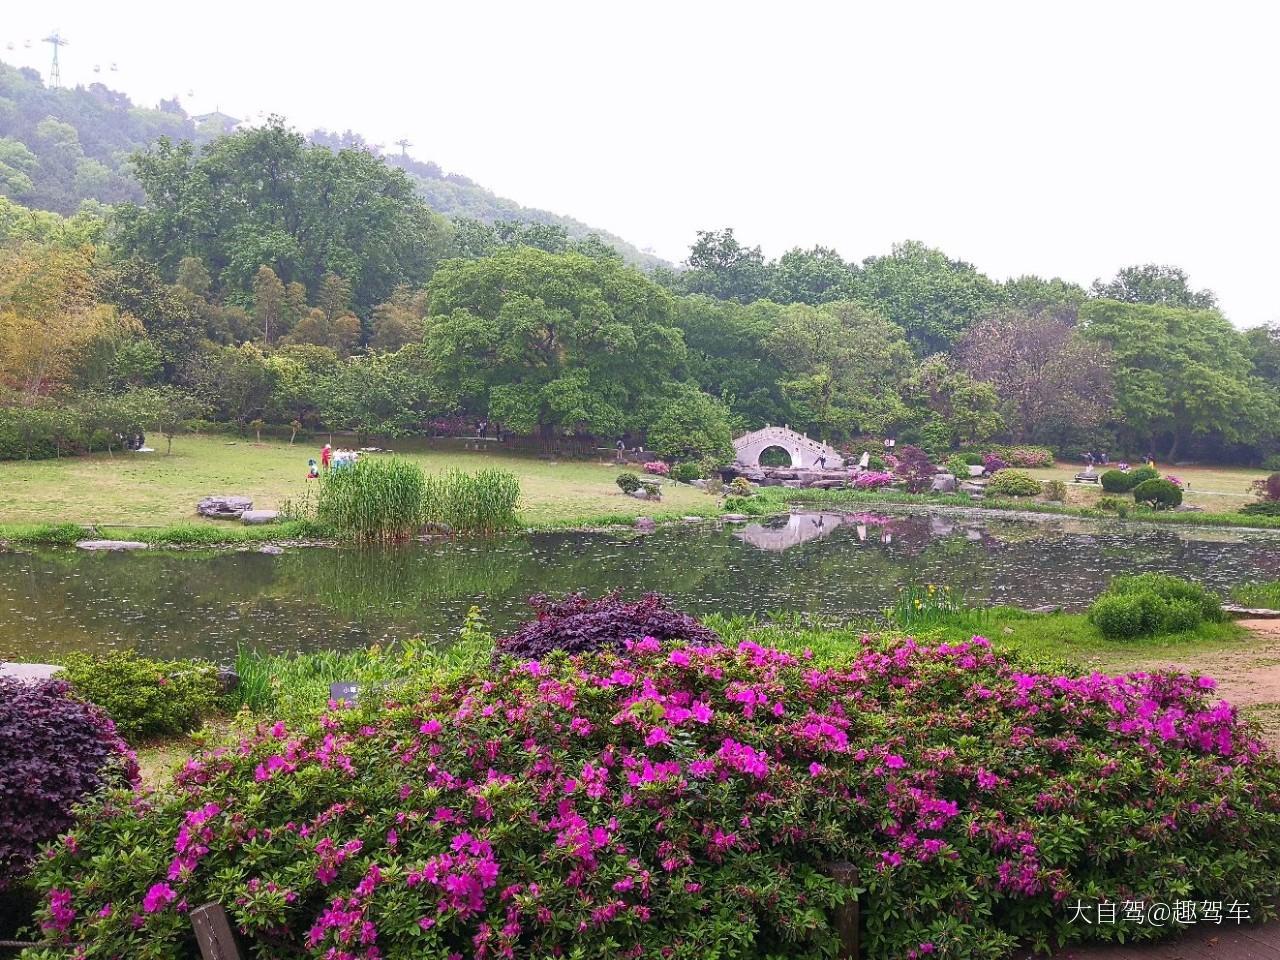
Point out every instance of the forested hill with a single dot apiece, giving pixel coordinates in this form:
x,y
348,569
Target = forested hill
x,y
59,148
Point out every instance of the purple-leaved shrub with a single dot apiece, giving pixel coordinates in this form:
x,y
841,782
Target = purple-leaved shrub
x,y
580,624
55,752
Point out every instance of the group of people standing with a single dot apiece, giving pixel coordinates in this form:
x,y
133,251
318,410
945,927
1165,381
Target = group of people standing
x,y
331,459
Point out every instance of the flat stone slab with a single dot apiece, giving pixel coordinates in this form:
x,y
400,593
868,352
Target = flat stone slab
x,y
735,518
224,507
1250,613
29,672
255,517
113,545
271,550
693,519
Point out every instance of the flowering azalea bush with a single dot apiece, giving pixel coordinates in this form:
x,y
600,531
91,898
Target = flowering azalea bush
x,y
872,480
658,468
993,463
580,624
672,801
1026,456
55,752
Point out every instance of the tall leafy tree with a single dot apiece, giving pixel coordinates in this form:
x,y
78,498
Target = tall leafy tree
x,y
728,357
721,267
264,196
843,366
817,275
930,296
545,342
1156,284
1180,374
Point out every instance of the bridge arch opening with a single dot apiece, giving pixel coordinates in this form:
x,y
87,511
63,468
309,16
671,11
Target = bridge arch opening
x,y
776,456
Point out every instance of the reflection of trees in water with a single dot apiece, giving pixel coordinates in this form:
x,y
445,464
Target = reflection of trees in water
x,y
184,603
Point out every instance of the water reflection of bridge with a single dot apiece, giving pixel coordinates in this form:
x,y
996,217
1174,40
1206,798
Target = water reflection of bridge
x,y
797,528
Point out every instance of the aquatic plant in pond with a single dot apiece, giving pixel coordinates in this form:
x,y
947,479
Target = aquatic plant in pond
x,y
680,800
483,502
373,499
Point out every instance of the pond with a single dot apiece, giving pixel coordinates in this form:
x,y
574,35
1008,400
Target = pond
x,y
176,603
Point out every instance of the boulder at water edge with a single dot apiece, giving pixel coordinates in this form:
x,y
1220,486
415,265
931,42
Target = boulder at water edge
x,y
943,483
224,507
645,523
259,516
110,545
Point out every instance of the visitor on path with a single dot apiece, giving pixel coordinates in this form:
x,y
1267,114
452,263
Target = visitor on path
x,y
622,449
326,456
822,463
313,469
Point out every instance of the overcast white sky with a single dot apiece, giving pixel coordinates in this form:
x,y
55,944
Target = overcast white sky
x,y
1059,138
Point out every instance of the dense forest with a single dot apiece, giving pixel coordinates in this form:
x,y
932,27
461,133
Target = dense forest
x,y
262,277
62,147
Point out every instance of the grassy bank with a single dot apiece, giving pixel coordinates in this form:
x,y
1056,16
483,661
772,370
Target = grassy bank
x,y
137,492
1028,505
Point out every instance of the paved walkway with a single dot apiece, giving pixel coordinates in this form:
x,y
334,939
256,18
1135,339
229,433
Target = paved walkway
x,y
1208,943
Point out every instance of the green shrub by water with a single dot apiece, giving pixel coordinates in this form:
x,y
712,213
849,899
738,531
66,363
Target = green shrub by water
x,y
1263,508
1117,481
628,482
483,502
1149,604
1158,493
1013,483
145,698
374,499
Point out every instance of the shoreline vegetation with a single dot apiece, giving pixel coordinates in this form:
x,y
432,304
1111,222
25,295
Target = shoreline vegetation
x,y
768,501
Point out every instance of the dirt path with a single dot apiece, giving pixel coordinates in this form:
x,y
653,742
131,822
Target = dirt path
x,y
1247,676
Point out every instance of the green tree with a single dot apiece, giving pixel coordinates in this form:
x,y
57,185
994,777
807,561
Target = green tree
x,y
721,267
959,408
692,426
818,275
545,342
728,355
1155,284
933,298
263,196
236,382
268,304
843,367
1180,374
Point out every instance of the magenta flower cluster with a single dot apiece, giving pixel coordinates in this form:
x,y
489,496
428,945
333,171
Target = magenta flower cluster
x,y
683,799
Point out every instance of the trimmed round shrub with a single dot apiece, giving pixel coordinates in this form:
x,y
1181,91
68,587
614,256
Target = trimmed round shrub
x,y
741,487
686,472
957,466
1117,481
578,624
1141,474
1158,493
1168,587
683,801
1013,483
145,698
1123,616
972,458
628,482
1147,604
55,752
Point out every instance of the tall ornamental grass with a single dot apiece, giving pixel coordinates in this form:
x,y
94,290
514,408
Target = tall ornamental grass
x,y
482,502
375,501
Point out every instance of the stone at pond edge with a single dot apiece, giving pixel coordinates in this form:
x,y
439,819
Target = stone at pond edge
x,y
692,519
645,523
110,545
29,672
271,550
228,507
943,483
228,680
735,518
255,517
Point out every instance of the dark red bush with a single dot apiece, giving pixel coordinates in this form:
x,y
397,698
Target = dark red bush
x,y
55,751
579,624
915,468
1268,488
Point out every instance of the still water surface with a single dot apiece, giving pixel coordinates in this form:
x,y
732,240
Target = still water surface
x,y
176,603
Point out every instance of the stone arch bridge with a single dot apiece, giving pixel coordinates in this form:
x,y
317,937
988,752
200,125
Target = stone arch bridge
x,y
804,451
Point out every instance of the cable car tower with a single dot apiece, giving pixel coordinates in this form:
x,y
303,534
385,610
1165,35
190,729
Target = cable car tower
x,y
55,40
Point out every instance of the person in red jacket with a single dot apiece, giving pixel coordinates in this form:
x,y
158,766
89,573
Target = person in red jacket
x,y
326,455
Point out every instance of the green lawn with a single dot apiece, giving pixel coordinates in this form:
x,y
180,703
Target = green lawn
x,y
155,489
1215,489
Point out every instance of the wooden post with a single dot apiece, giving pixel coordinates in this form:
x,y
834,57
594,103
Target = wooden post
x,y
847,916
214,934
